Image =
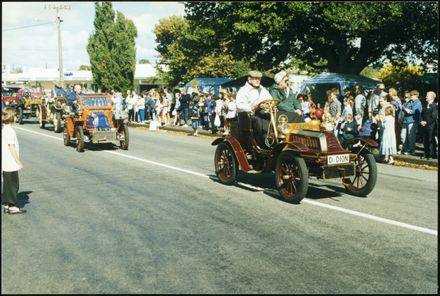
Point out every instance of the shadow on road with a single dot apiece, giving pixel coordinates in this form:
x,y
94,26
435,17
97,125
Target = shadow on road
x,y
265,182
23,198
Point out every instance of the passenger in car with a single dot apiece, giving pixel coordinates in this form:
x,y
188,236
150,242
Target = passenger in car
x,y
289,105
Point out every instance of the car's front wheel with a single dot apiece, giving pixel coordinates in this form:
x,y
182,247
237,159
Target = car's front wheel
x,y
79,139
291,177
57,122
39,114
66,136
365,177
20,115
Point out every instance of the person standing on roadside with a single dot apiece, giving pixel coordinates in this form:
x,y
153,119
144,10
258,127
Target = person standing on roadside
x,y
411,121
428,126
184,106
11,163
129,105
360,104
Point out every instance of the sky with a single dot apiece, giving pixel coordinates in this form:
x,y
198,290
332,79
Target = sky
x,y
30,38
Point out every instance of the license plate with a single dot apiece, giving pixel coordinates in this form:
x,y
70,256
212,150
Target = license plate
x,y
338,159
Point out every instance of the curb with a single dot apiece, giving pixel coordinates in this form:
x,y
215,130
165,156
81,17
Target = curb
x,y
400,158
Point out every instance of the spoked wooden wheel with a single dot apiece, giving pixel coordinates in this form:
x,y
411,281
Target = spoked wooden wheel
x,y
66,136
57,122
79,139
291,177
365,176
225,164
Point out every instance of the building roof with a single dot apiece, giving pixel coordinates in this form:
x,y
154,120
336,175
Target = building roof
x,y
204,82
40,74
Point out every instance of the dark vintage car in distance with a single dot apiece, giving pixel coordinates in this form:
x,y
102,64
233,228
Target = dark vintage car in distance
x,y
294,151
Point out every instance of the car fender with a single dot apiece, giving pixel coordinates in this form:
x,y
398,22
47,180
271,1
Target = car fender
x,y
240,156
370,142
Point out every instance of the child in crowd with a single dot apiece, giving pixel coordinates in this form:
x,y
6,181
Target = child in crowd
x,y
231,113
348,131
305,106
194,115
388,135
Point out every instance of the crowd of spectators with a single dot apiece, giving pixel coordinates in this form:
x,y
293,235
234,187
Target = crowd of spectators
x,y
382,116
395,121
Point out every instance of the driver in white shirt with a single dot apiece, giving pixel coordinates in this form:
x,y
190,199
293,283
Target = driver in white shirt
x,y
248,98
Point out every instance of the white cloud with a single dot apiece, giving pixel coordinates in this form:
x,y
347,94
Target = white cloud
x,y
38,46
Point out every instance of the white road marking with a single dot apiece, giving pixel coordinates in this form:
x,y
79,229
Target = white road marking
x,y
305,200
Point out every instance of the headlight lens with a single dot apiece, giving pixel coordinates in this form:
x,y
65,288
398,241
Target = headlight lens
x,y
283,128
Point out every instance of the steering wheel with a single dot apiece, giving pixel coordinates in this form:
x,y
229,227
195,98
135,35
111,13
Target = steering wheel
x,y
269,103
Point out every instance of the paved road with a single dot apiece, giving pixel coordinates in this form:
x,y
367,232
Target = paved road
x,y
154,219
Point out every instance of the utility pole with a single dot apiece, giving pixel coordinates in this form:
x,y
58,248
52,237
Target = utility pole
x,y
59,7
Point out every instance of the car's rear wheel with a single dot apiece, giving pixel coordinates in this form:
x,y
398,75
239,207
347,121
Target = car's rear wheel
x,y
66,136
123,133
225,164
364,180
291,177
57,122
79,138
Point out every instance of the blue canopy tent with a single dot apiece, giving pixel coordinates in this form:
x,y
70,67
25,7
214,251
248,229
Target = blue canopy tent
x,y
317,86
205,84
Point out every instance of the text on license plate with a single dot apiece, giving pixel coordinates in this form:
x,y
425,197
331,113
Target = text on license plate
x,y
337,159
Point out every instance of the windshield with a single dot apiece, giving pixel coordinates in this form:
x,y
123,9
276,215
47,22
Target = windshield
x,y
9,92
95,102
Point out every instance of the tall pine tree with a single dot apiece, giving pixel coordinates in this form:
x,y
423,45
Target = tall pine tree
x,y
112,49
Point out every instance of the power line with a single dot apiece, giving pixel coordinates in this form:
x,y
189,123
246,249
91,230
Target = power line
x,y
30,26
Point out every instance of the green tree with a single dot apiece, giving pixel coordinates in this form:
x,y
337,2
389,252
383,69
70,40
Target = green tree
x,y
111,49
85,68
323,35
406,77
144,61
187,51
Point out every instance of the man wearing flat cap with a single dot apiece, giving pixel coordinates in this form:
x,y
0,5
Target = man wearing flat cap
x,y
374,97
248,98
289,105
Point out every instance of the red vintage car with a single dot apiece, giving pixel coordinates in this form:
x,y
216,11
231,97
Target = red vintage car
x,y
10,96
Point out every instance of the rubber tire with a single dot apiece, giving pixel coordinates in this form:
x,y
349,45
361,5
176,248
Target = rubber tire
x,y
124,144
66,136
39,114
301,172
79,133
20,115
57,123
371,182
229,177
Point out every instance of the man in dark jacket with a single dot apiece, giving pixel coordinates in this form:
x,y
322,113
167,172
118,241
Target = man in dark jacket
x,y
428,126
184,106
289,105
